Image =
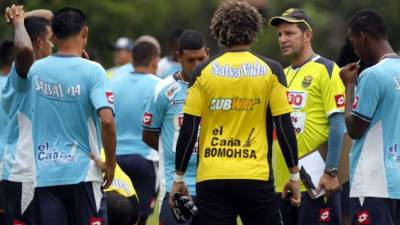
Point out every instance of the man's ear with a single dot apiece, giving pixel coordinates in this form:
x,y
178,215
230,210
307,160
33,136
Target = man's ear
x,y
178,56
85,32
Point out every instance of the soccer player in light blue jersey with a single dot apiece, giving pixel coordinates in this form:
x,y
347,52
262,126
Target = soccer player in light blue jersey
x,y
163,117
373,121
6,60
70,100
32,39
131,91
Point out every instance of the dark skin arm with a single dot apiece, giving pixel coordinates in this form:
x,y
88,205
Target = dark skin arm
x,y
356,127
24,52
151,138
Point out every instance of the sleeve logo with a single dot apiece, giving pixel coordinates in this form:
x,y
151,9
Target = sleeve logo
x,y
147,119
110,97
339,100
355,103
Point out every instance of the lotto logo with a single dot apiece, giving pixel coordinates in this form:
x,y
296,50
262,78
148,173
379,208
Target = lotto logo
x,y
95,221
324,215
362,217
147,119
355,103
339,100
110,97
17,222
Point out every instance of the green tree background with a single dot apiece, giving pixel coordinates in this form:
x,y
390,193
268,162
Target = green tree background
x,y
110,19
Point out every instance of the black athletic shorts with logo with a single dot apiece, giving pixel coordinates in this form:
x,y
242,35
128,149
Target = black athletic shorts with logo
x,y
221,201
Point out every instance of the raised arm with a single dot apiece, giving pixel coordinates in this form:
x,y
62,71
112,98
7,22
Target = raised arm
x,y
24,52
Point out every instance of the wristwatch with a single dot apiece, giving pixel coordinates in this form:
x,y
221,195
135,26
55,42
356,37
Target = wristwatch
x,y
333,172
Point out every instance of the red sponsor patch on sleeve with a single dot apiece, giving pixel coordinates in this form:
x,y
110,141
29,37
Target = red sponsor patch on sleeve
x,y
355,103
362,217
339,100
147,119
110,97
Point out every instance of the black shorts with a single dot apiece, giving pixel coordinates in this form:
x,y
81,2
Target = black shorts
x,y
375,211
312,211
77,204
17,199
221,201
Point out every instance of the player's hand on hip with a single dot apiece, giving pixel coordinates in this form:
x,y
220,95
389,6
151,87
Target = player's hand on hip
x,y
107,168
349,73
294,188
14,14
329,183
178,187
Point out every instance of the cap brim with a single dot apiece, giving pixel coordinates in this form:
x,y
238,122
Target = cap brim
x,y
276,20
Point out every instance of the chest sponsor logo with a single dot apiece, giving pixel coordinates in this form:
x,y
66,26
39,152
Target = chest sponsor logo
x,y
307,81
172,90
324,215
339,99
47,155
297,99
394,157
147,118
355,103
241,70
362,217
221,147
239,104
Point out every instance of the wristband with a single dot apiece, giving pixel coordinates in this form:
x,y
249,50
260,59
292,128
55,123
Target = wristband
x,y
294,176
178,178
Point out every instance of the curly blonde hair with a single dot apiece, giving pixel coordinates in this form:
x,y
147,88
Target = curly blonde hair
x,y
235,22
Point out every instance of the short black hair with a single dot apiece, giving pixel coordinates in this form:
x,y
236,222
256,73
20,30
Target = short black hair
x,y
191,40
235,22
143,52
6,53
369,21
36,27
68,22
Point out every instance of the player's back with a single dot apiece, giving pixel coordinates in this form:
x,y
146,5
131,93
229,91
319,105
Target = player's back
x,y
67,91
235,98
131,91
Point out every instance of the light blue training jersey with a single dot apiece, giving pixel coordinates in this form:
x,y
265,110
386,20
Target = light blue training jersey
x,y
66,93
164,114
168,67
131,92
18,158
375,157
3,124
